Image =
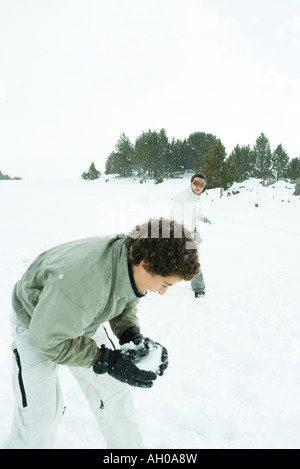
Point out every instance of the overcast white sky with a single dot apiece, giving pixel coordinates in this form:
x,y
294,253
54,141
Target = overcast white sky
x,y
74,74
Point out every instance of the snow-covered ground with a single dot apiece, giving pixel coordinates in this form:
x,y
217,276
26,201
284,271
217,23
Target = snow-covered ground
x,y
234,374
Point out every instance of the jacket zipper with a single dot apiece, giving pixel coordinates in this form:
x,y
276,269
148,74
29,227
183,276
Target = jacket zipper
x,y
20,378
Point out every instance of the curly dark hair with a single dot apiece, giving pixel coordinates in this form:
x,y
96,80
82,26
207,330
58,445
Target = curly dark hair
x,y
167,248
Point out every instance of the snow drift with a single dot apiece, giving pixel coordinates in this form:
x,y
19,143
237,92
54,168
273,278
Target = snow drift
x,y
233,378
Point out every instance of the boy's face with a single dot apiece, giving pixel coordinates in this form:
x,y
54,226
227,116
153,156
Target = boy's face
x,y
198,185
153,283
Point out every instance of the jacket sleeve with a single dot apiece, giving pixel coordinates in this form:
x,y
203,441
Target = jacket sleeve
x,y
126,319
57,329
177,207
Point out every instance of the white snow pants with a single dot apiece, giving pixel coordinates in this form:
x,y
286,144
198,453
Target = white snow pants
x,y
39,404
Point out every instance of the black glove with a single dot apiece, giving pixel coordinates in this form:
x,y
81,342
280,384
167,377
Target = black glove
x,y
145,345
119,364
132,334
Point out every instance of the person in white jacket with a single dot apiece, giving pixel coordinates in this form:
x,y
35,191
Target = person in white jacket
x,y
187,208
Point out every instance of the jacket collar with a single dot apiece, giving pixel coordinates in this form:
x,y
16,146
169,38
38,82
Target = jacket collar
x,y
137,294
123,282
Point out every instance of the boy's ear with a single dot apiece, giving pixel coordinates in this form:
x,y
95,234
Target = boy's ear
x,y
141,264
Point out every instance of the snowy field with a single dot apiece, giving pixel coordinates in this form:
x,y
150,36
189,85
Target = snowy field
x,y
234,374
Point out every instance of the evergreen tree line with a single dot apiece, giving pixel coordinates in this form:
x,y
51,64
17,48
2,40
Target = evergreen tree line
x,y
6,177
153,156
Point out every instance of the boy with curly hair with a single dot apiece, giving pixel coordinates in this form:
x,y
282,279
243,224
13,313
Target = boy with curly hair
x,y
59,308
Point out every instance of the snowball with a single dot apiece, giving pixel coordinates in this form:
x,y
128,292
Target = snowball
x,y
152,361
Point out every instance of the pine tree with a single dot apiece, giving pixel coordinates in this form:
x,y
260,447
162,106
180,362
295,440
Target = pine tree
x,y
113,164
92,173
125,152
178,152
262,157
280,161
293,169
199,143
229,172
244,162
141,155
152,154
213,164
121,161
164,161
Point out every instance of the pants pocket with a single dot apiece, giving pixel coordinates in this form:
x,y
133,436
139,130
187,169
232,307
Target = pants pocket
x,y
20,378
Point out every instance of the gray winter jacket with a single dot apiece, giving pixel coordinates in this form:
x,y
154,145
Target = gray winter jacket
x,y
69,291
